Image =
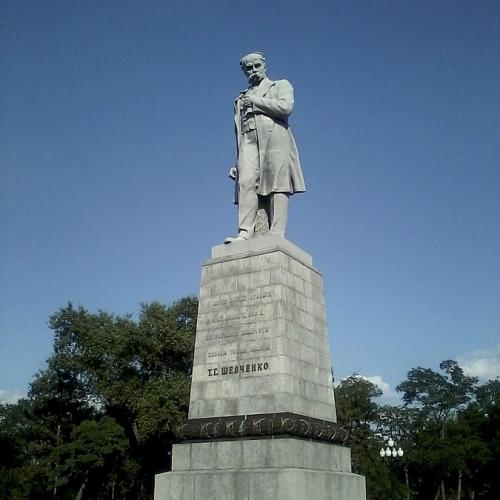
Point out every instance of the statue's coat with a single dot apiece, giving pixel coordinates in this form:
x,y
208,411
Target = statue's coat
x,y
279,170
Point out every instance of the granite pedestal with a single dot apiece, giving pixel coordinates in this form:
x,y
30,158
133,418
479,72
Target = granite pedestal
x,y
262,413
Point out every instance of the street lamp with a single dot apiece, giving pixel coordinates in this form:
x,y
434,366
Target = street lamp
x,y
391,451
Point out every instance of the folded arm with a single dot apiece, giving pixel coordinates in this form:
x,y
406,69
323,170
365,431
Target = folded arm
x,y
279,106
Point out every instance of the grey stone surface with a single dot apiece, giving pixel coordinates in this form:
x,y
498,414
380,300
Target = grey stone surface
x,y
260,484
261,348
268,168
261,344
264,245
277,469
261,453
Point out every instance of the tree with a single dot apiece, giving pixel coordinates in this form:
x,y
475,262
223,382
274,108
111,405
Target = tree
x,y
357,413
479,425
438,397
95,459
100,419
13,450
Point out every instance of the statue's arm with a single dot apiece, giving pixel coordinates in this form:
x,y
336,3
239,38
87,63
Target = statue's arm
x,y
279,106
233,171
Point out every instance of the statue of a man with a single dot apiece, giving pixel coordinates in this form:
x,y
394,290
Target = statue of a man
x,y
268,166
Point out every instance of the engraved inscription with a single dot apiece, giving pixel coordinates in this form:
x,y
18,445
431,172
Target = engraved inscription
x,y
216,354
232,316
238,369
255,331
253,349
259,349
221,335
241,297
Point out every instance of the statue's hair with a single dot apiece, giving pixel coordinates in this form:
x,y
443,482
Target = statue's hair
x,y
262,56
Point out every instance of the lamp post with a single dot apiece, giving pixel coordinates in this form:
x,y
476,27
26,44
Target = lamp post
x,y
396,423
390,452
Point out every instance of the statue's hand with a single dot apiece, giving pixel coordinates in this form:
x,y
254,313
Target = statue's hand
x,y
249,98
232,173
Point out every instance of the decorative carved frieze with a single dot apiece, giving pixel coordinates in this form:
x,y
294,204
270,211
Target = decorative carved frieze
x,y
262,425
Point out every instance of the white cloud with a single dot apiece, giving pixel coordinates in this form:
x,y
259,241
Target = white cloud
x,y
484,364
10,397
387,392
381,384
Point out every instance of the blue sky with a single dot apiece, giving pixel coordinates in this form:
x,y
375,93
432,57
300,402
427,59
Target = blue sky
x,y
116,137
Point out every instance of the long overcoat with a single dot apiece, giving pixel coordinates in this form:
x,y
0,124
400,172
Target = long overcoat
x,y
279,164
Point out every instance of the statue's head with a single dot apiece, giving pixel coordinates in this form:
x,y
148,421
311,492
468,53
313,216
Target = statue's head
x,y
254,66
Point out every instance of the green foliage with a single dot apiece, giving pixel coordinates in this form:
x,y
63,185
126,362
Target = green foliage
x,y
357,412
355,406
99,420
439,396
93,459
480,426
450,450
449,430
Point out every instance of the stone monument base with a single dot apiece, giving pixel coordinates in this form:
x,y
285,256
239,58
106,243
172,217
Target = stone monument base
x,y
260,469
262,422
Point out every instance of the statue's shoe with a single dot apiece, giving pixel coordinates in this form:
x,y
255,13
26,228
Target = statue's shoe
x,y
234,240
